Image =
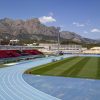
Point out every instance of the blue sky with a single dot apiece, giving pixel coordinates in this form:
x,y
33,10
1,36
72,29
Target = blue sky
x,y
80,16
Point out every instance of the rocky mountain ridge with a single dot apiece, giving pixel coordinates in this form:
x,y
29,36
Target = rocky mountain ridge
x,y
32,29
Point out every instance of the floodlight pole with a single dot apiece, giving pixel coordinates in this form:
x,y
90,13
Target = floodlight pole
x,y
58,41
0,41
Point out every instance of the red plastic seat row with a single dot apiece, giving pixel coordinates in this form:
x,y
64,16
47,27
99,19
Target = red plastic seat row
x,y
17,53
3,54
8,53
33,52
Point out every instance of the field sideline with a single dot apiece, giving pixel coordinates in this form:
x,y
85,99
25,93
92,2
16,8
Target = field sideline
x,y
78,67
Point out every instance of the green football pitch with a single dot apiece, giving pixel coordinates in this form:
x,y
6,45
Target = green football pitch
x,y
76,67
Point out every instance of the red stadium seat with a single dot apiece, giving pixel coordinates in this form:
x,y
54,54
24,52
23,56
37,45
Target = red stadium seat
x,y
33,52
8,53
17,53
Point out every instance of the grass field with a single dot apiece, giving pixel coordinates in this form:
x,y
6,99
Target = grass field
x,y
78,67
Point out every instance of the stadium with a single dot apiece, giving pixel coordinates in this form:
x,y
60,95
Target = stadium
x,y
16,62
49,50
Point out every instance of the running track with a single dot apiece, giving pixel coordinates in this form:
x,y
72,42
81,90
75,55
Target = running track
x,y
13,87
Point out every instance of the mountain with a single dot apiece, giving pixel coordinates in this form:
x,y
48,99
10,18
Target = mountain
x,y
77,38
27,29
32,29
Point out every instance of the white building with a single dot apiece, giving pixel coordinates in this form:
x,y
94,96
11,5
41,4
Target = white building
x,y
63,48
94,50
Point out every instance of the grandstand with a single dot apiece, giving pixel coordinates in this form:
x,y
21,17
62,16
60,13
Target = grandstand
x,y
17,53
9,54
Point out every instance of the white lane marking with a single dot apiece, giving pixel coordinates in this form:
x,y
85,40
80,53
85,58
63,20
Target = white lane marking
x,y
4,90
7,88
20,89
13,87
1,87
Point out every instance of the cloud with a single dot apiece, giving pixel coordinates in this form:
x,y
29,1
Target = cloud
x,y
95,30
78,24
47,19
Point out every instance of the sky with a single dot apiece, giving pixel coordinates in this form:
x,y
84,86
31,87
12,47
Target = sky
x,y
80,16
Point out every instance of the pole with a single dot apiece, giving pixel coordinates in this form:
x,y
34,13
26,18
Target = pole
x,y
0,41
58,41
58,38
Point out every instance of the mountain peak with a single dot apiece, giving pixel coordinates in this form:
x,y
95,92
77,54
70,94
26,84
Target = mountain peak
x,y
32,28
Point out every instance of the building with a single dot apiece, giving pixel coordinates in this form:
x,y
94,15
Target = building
x,y
94,50
63,48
